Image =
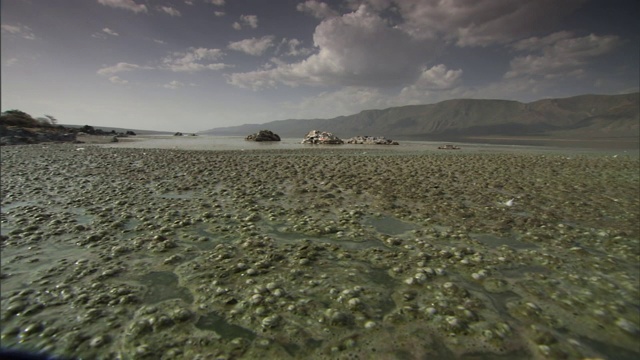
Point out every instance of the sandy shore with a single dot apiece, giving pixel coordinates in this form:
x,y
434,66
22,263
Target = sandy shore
x,y
112,252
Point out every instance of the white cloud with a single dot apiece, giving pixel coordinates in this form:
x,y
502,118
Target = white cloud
x,y
125,4
481,22
173,85
292,47
110,32
559,54
438,78
118,68
18,30
159,42
253,46
220,14
356,49
316,9
118,80
246,20
11,62
216,2
195,59
169,10
431,83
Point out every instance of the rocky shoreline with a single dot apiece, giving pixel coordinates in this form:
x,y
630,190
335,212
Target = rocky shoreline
x,y
318,253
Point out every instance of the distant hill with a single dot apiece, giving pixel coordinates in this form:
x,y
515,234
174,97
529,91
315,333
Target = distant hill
x,y
579,117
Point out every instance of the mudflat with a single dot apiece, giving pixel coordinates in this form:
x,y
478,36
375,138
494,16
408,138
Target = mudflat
x,y
320,252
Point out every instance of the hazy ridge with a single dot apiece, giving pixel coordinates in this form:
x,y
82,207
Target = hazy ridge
x,y
579,117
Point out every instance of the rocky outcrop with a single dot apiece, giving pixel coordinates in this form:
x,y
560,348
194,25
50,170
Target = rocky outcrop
x,y
321,137
263,135
10,135
371,140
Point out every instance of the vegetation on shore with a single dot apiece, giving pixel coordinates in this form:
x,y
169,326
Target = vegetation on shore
x,y
18,127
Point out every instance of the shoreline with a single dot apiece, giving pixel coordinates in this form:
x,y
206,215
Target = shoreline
x,y
238,143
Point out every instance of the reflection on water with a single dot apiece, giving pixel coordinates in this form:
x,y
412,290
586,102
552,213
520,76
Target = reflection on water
x,y
493,241
214,322
389,225
205,142
163,285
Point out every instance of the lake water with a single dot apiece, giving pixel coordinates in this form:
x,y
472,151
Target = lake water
x,y
238,143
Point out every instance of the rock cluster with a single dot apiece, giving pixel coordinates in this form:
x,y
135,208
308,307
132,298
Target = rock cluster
x,y
321,137
371,140
263,135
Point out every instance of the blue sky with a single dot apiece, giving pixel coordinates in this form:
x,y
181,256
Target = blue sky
x,y
191,65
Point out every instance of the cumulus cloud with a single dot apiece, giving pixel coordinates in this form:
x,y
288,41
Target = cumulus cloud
x,y
481,22
356,49
430,84
173,85
216,2
346,100
118,68
169,10
18,30
220,14
246,21
110,32
559,54
125,4
292,47
194,59
438,77
253,46
316,9
118,80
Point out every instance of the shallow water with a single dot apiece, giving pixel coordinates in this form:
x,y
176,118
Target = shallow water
x,y
293,251
205,142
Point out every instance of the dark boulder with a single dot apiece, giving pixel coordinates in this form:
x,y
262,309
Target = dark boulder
x,y
263,135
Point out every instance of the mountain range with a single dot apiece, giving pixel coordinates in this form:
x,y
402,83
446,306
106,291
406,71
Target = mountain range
x,y
582,117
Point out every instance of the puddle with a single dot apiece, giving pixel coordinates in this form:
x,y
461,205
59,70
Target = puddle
x,y
174,195
17,204
389,225
294,238
25,265
131,224
610,351
521,271
163,285
214,322
381,277
82,218
493,241
499,300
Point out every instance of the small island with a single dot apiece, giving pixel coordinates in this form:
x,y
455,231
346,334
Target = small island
x,y
263,135
371,140
321,137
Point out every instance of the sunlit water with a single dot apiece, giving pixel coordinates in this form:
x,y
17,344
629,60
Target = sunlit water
x,y
238,143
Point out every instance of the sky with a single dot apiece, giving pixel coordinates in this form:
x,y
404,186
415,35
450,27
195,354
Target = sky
x,y
193,65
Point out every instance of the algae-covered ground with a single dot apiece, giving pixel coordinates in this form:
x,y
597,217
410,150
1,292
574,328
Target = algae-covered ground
x,y
319,253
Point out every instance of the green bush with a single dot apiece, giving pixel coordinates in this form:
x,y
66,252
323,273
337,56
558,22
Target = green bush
x,y
18,118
